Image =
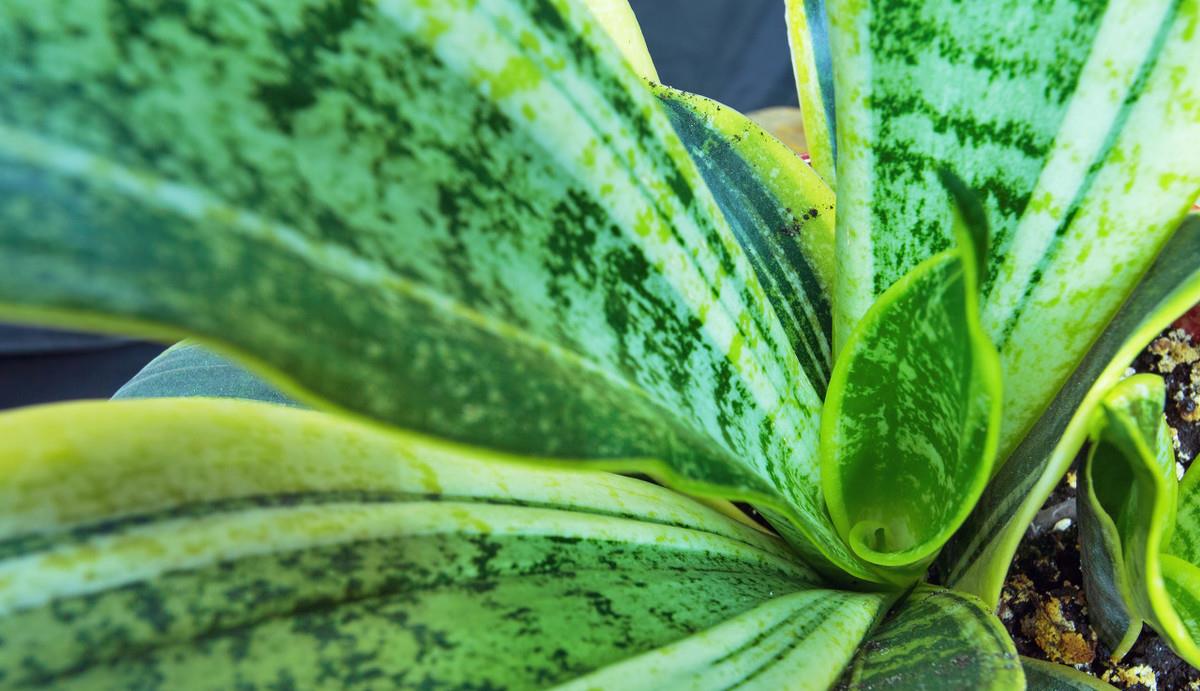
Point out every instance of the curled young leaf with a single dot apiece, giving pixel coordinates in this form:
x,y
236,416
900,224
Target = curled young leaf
x,y
911,420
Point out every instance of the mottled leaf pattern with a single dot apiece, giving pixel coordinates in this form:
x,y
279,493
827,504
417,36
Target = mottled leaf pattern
x,y
978,556
1078,121
937,638
780,212
910,424
200,543
466,218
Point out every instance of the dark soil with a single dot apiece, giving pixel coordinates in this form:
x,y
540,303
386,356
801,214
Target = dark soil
x,y
1043,604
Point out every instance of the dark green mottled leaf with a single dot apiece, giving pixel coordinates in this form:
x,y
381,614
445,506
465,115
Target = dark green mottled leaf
x,y
1076,120
937,639
466,218
911,421
977,558
780,212
188,543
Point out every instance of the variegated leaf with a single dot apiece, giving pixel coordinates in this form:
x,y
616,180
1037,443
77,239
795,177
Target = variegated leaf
x,y
911,421
195,543
937,639
1078,122
977,558
812,62
466,218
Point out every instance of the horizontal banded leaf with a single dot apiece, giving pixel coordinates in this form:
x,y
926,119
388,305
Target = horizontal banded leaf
x,y
466,218
1126,512
188,542
188,369
780,212
812,63
1077,121
911,421
800,641
1048,676
937,639
977,558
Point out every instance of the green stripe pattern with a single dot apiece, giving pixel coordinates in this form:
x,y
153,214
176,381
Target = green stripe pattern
x,y
937,637
221,544
1085,157
978,556
1128,494
466,218
812,63
780,212
800,641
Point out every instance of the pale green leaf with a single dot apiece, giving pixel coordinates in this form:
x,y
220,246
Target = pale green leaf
x,y
470,219
977,558
618,19
202,543
187,369
1079,124
800,641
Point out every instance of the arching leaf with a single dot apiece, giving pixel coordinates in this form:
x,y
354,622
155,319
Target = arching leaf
x,y
466,218
186,543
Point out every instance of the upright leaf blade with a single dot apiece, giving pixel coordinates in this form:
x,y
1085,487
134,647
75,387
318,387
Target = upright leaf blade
x,y
202,542
780,212
1077,121
1126,512
977,558
470,219
812,62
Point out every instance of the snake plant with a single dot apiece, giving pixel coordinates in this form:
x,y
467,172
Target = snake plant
x,y
529,330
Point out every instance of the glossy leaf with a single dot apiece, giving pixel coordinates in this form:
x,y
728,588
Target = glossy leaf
x,y
1048,676
812,62
184,543
911,421
780,212
1126,511
941,639
1078,123
466,218
977,558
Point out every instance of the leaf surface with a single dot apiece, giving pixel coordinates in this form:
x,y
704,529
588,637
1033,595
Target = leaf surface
x,y
812,63
1079,124
780,212
187,542
937,638
911,421
1048,676
977,558
470,219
